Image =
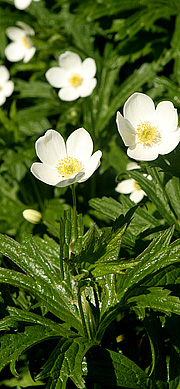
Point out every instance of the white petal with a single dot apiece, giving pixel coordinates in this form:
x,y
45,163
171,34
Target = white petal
x,y
14,33
70,61
142,153
69,181
80,145
139,107
29,54
27,29
68,93
22,4
88,68
2,98
137,196
126,130
87,87
57,77
166,116
132,166
8,88
15,52
4,74
91,165
126,186
44,173
169,142
50,148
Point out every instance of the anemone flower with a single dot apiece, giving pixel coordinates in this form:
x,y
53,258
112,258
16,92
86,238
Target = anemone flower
x,y
74,77
22,4
64,164
147,131
22,46
131,186
6,85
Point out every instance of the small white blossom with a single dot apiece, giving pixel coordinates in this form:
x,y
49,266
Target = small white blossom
x,y
22,46
6,85
32,216
64,164
130,186
147,131
22,4
74,77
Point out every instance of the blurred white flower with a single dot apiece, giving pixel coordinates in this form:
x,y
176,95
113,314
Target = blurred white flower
x,y
6,85
32,216
64,164
22,4
148,131
130,186
74,77
22,46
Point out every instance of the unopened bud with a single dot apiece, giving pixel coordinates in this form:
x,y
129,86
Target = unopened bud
x,y
32,216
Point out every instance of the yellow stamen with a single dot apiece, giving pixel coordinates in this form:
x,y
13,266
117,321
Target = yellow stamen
x,y
137,186
26,42
68,166
148,134
75,80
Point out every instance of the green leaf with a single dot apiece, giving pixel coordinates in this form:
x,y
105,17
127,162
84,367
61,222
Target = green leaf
x,y
156,298
13,345
153,258
43,281
18,315
66,362
99,251
155,191
158,372
56,301
67,234
140,220
107,367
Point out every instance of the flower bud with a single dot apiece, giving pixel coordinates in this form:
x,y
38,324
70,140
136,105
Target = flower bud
x,y
32,216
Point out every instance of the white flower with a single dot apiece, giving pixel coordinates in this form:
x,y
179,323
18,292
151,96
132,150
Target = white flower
x,y
62,164
131,186
32,216
22,4
22,46
148,131
74,77
6,86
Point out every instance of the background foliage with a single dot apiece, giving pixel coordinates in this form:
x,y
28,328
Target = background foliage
x,y
124,269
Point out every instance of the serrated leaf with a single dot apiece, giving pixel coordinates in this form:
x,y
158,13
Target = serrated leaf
x,y
99,251
107,367
18,315
66,362
13,345
56,301
153,258
156,298
155,191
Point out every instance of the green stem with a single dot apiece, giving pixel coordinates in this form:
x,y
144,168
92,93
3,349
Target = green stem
x,y
74,212
82,315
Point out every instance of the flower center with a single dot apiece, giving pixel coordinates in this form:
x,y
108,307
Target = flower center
x,y
26,42
136,185
148,134
75,80
68,166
